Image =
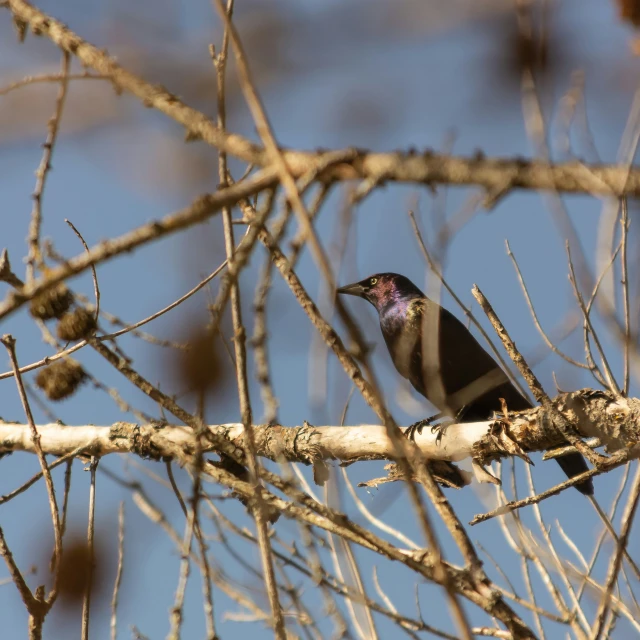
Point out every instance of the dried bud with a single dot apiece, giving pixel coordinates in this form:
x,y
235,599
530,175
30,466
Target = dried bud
x,y
76,325
53,303
61,379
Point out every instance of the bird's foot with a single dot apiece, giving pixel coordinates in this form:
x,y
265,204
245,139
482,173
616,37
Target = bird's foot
x,y
439,430
417,427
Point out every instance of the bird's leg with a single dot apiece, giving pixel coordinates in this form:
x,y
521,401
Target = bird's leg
x,y
417,427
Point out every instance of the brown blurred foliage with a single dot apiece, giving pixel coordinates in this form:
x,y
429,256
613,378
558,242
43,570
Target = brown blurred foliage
x,y
629,11
526,40
203,368
75,570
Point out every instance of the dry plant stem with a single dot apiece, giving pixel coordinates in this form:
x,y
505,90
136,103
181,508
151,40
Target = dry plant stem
x,y
534,315
152,512
618,605
185,550
616,560
128,328
348,571
145,505
36,607
459,535
346,565
6,274
241,256
96,288
318,359
524,549
322,577
257,506
34,260
550,548
48,78
259,339
9,342
298,241
531,379
525,502
536,130
609,212
182,415
373,399
37,476
425,168
465,310
65,501
611,382
205,568
536,614
277,160
595,369
260,346
118,581
316,514
603,535
200,210
294,197
376,522
624,281
609,527
86,602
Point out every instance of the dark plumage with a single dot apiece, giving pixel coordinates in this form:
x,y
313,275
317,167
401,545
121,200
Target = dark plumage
x,y
464,382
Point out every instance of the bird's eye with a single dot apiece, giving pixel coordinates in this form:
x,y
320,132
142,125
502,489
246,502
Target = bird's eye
x,y
373,281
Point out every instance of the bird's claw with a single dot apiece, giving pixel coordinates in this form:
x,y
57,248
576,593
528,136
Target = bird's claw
x,y
417,427
439,430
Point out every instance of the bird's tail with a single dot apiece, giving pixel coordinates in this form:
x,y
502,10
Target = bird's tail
x,y
574,464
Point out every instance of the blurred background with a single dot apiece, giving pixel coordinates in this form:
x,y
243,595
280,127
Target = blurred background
x,y
371,74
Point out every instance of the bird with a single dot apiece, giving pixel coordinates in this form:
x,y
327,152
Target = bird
x,y
464,382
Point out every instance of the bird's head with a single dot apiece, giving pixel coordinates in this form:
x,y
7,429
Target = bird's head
x,y
382,289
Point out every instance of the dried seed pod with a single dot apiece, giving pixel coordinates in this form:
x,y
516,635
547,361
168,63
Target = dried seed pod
x,y
61,379
76,325
53,303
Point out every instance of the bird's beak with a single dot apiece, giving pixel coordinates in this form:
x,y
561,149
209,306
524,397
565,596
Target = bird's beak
x,y
355,289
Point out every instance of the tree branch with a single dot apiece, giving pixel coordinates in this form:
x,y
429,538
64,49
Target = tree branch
x,y
426,167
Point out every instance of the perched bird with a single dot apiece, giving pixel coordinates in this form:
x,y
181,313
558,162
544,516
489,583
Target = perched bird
x,y
463,382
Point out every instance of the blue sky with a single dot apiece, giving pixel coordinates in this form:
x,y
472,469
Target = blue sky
x,y
345,74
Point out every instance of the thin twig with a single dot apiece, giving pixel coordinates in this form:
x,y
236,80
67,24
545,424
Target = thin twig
x,y
611,382
34,260
550,548
49,78
616,560
467,312
624,281
37,476
86,602
425,168
534,315
532,380
96,288
110,336
525,502
585,326
118,581
200,210
258,507
9,342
